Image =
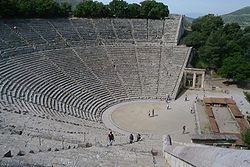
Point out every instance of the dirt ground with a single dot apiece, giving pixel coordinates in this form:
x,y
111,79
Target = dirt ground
x,y
134,117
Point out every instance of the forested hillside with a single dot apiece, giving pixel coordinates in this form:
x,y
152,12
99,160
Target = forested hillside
x,y
241,16
224,48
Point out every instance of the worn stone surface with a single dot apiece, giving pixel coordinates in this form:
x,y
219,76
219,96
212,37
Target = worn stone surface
x,y
213,156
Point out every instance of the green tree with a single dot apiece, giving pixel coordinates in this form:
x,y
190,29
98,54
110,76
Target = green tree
x,y
25,8
46,8
213,51
247,29
195,39
201,30
244,42
133,10
236,68
7,8
118,8
153,10
223,48
233,31
91,9
207,24
65,10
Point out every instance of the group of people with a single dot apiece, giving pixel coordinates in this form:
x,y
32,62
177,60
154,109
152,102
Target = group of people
x,y
131,138
111,138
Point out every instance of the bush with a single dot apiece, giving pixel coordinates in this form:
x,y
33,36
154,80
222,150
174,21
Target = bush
x,y
247,96
245,136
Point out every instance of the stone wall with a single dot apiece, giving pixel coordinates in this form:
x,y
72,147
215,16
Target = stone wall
x,y
204,156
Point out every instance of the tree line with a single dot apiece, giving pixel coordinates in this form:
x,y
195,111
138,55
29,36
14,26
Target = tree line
x,y
94,9
224,48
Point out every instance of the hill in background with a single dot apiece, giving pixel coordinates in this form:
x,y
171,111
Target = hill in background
x,y
241,16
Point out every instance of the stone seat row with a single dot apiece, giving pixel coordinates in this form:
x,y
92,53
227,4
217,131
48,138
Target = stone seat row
x,y
42,32
41,97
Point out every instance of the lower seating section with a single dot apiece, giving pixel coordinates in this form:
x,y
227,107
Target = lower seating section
x,y
80,67
172,61
96,59
83,82
148,66
74,67
45,29
125,61
35,79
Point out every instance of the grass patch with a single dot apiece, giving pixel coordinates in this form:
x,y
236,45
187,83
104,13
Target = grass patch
x,y
247,96
206,129
245,136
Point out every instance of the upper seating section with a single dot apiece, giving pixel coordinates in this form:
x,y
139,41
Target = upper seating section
x,y
140,29
171,29
86,30
25,32
47,34
155,30
123,29
171,66
9,38
124,59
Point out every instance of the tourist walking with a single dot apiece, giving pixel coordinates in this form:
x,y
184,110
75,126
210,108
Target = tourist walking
x,y
169,140
110,139
131,138
184,129
138,137
191,110
168,107
186,98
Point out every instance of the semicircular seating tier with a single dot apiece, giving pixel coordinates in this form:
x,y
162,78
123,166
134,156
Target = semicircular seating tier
x,y
80,67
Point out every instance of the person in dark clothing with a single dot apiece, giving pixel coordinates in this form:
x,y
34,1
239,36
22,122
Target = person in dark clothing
x,y
110,138
169,140
138,138
131,138
184,129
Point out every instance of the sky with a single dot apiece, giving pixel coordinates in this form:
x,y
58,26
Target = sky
x,y
196,8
